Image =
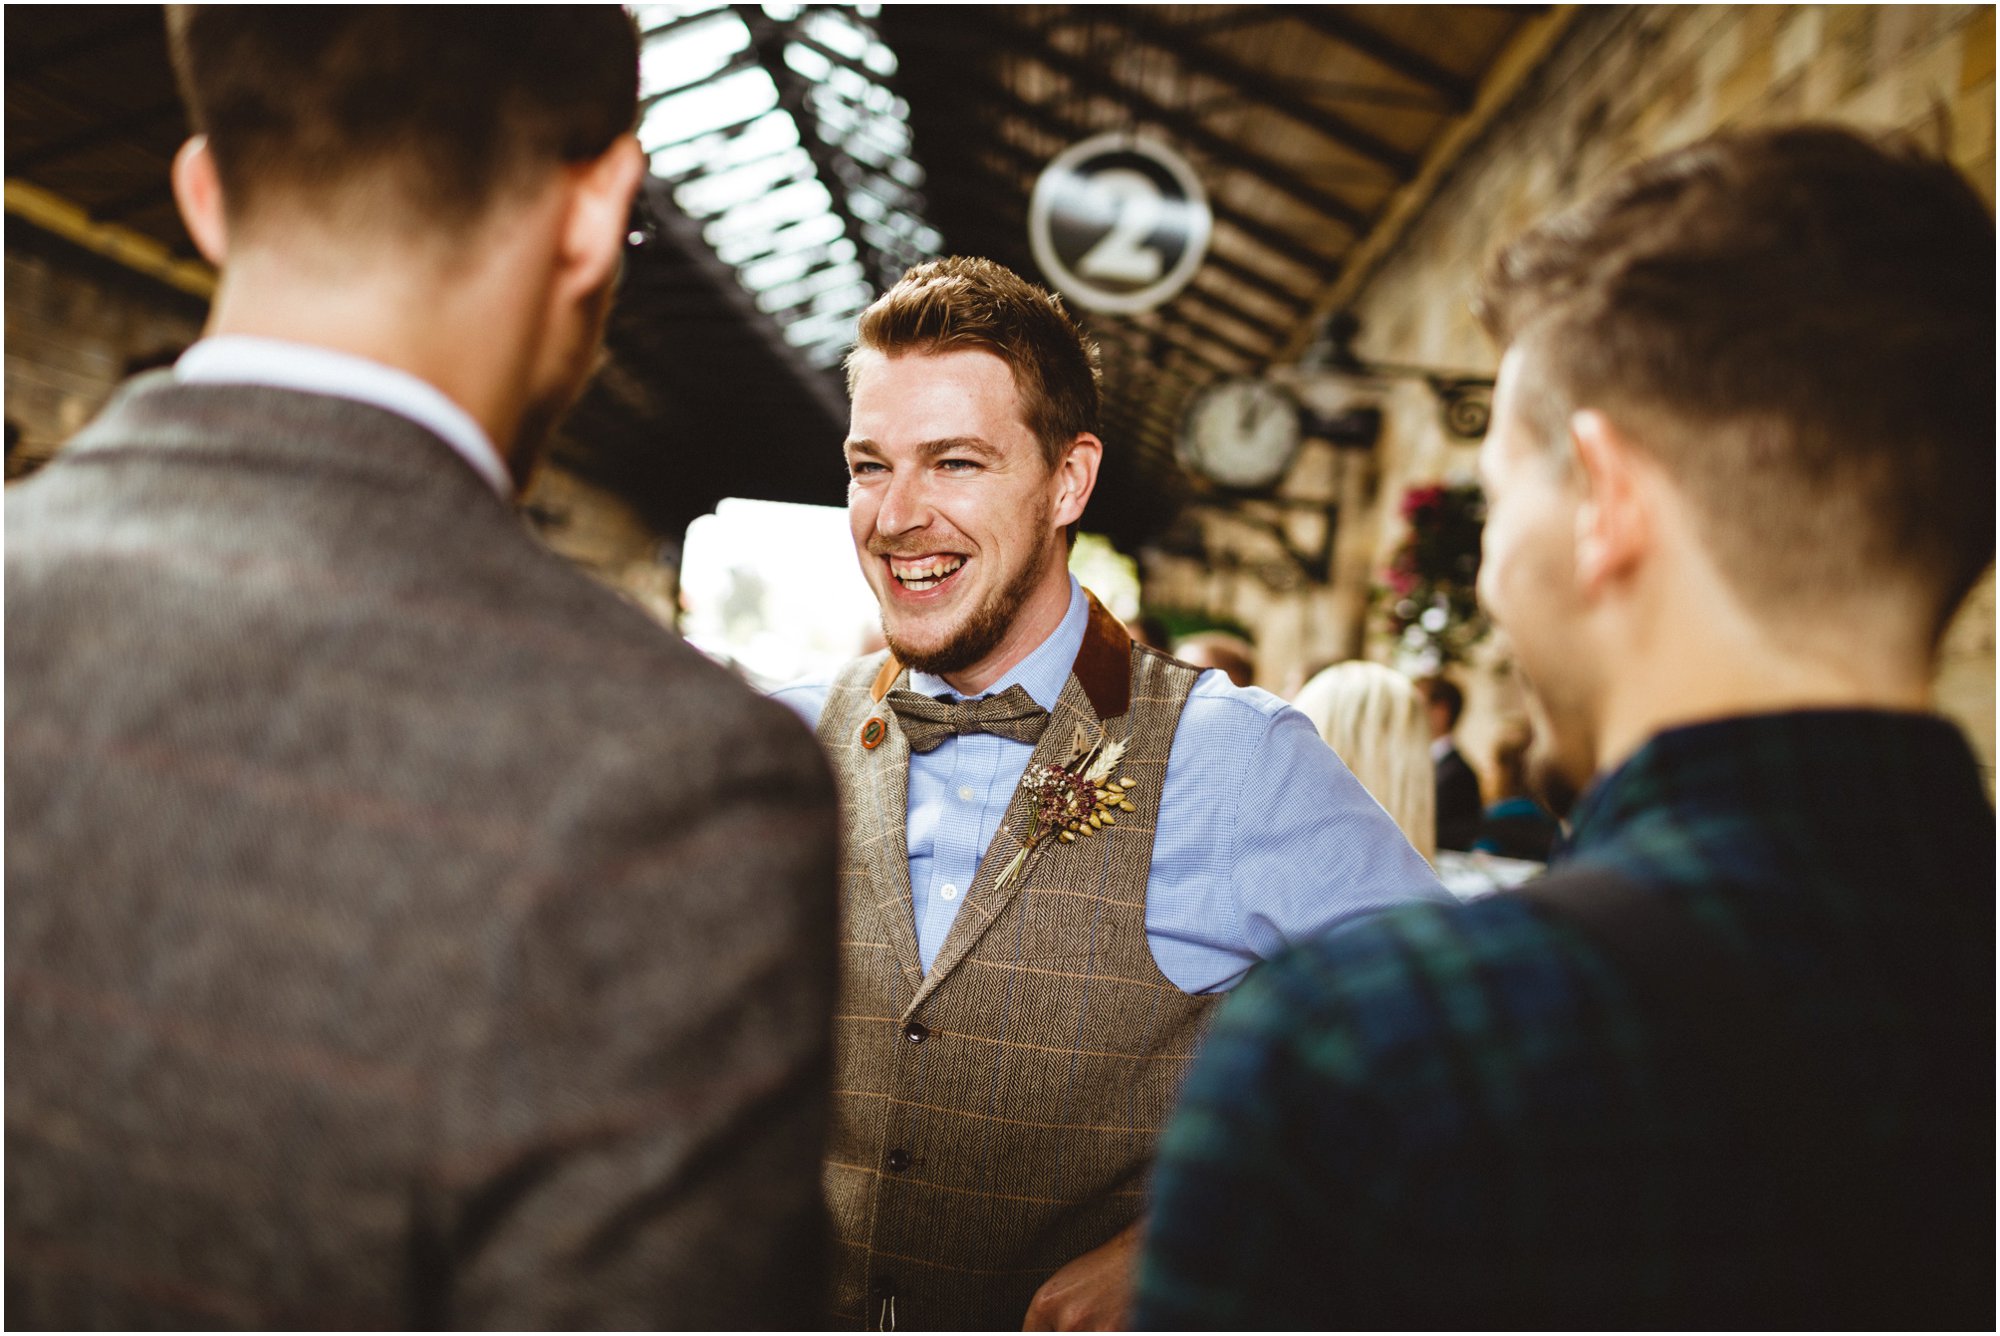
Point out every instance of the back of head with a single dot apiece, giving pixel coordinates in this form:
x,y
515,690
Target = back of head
x,y
1233,655
1443,695
399,118
1373,718
1798,324
963,302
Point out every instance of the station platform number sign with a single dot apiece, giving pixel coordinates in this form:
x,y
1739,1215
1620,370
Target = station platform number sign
x,y
1118,223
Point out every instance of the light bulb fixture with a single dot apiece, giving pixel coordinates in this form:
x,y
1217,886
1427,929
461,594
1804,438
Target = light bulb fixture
x,y
1465,398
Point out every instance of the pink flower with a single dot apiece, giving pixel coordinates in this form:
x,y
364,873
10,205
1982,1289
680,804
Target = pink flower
x,y
1418,501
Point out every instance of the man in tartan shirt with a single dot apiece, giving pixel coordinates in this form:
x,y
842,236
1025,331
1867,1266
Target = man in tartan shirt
x,y
1731,1064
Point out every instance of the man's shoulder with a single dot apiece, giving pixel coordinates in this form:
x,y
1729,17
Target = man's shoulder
x,y
807,697
1493,974
1220,718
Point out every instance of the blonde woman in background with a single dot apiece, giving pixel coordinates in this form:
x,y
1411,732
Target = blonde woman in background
x,y
1373,717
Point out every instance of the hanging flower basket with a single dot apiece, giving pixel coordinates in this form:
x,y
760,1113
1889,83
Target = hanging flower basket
x,y
1425,594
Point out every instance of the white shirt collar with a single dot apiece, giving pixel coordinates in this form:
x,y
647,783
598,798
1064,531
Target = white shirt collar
x,y
241,359
1044,672
1441,747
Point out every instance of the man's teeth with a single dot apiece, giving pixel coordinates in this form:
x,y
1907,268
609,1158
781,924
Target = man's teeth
x,y
925,574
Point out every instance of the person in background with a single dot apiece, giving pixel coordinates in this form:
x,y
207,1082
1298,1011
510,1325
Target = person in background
x,y
1731,1065
1148,629
1375,721
1233,655
402,930
1062,845
1459,802
1515,826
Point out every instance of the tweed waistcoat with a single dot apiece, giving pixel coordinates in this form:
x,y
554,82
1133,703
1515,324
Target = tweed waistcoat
x,y
995,1118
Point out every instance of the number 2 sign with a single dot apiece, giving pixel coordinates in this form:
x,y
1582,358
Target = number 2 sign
x,y
1118,224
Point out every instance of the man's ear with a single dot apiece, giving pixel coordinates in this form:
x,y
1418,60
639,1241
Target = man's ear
x,y
600,207
1076,478
1615,524
198,192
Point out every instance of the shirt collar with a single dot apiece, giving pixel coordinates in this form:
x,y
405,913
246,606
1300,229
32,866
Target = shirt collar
x,y
241,359
1441,747
1829,766
1044,672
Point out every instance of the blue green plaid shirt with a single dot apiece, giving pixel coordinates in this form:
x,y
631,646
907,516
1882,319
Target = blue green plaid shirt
x,y
1456,1115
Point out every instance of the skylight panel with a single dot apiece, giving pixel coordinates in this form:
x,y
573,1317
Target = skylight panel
x,y
779,134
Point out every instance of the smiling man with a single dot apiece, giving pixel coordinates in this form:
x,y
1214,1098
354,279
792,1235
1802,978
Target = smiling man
x,y
1731,1065
1060,846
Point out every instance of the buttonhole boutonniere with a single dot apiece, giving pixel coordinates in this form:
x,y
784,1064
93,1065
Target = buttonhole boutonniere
x,y
1077,797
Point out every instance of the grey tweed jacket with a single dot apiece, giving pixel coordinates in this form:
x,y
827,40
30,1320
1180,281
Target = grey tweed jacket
x,y
400,929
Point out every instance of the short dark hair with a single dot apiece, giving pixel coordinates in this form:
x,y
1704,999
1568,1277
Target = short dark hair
x,y
451,105
1443,691
967,302
1799,324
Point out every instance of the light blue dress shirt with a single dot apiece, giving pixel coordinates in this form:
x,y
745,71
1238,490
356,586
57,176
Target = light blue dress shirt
x,y
1264,836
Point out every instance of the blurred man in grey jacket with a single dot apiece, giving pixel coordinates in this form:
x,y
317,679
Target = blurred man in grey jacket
x,y
400,929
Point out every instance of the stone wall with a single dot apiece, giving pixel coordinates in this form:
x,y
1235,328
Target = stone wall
x,y
74,324
1624,83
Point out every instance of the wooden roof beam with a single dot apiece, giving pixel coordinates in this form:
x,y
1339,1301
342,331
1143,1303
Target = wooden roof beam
x,y
1227,69
1334,21
1090,79
111,26
91,136
1132,337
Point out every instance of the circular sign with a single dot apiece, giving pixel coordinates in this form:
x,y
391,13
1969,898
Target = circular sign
x,y
1118,224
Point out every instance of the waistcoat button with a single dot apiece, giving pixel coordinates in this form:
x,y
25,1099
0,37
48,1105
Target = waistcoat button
x,y
916,1032
899,1160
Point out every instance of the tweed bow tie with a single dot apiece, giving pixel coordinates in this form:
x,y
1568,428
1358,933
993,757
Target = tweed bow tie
x,y
928,721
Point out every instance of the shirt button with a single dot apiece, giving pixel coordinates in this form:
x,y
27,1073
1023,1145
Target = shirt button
x,y
948,891
899,1160
916,1032
965,793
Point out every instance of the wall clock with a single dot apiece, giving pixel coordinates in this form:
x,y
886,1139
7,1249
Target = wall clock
x,y
1240,433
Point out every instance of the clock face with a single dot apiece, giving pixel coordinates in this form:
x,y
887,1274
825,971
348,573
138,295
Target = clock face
x,y
1241,433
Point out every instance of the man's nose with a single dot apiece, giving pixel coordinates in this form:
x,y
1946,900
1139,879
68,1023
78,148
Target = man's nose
x,y
906,505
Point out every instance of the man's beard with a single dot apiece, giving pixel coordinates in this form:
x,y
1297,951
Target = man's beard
x,y
1555,778
544,412
1548,782
982,631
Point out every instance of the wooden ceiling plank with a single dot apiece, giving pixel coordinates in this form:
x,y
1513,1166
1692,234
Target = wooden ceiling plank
x,y
148,196
1227,152
1213,64
1333,21
1217,304
92,136
25,61
1290,298
1525,52
141,254
1133,338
